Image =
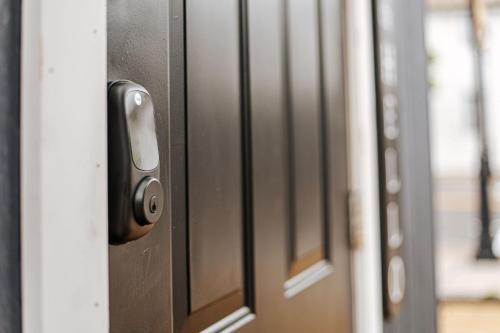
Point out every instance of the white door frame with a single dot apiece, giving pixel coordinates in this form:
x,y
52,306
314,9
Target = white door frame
x,y
64,167
366,257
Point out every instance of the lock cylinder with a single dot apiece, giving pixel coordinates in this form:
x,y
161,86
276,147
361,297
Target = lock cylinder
x,y
148,203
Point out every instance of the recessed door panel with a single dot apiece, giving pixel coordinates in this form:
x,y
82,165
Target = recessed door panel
x,y
287,41
214,151
305,139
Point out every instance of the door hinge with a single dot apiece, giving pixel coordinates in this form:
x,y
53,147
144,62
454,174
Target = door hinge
x,y
354,220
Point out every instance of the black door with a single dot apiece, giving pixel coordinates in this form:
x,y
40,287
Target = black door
x,y
250,120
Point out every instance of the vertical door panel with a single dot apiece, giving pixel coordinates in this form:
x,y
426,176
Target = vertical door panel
x,y
139,271
270,162
299,151
306,135
214,151
216,191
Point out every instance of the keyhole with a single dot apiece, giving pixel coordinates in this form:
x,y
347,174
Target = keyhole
x,y
153,205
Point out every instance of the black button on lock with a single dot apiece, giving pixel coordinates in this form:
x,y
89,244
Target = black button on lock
x,y
135,193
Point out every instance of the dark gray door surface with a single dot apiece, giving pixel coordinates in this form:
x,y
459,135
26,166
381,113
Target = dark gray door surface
x,y
139,271
10,254
250,117
302,280
399,44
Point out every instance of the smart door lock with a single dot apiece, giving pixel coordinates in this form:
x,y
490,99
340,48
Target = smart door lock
x,y
135,193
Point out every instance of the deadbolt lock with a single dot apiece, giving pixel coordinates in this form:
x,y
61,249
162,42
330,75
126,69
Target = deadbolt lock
x,y
135,193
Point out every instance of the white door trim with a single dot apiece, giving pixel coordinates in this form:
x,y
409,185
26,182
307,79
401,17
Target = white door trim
x,y
64,167
367,275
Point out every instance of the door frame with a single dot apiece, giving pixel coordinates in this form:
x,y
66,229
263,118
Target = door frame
x,y
363,169
64,167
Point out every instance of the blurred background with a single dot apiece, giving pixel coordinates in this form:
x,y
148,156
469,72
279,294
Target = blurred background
x,y
463,46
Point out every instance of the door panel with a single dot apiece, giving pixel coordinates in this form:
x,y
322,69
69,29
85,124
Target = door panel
x,y
216,191
305,110
139,273
214,151
317,299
